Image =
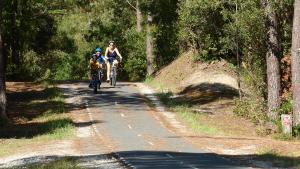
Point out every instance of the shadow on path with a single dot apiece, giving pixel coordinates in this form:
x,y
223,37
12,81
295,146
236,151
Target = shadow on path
x,y
168,159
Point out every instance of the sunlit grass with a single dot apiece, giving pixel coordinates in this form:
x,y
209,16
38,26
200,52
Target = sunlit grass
x,y
151,82
194,121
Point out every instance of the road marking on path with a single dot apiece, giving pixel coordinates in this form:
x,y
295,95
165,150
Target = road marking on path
x,y
149,93
193,167
169,155
91,118
151,143
139,135
129,126
122,115
181,162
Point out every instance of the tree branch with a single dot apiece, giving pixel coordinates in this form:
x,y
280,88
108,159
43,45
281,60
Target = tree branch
x,y
131,5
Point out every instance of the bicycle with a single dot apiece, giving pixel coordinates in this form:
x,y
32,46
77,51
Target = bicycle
x,y
95,81
100,73
113,75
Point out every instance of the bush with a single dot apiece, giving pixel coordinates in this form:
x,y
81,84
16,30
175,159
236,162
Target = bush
x,y
251,109
286,107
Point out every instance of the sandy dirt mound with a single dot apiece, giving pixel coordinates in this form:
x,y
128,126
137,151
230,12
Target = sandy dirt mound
x,y
184,72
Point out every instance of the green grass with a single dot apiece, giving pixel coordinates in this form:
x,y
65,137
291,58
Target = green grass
x,y
194,121
151,82
183,109
49,123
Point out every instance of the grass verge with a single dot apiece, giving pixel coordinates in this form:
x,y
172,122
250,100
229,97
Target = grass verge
x,y
184,109
66,163
40,118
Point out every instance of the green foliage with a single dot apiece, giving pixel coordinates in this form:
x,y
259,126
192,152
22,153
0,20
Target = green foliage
x,y
213,28
296,131
136,63
200,26
166,30
286,107
251,109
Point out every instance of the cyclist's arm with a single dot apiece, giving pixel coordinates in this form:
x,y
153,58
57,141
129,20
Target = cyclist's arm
x,y
106,52
89,66
104,58
118,53
98,65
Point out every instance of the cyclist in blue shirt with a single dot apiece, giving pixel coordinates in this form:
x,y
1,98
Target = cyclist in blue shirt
x,y
100,58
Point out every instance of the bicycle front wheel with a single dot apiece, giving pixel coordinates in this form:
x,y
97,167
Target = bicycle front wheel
x,y
114,81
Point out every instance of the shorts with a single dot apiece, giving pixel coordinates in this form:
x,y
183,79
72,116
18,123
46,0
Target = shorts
x,y
111,59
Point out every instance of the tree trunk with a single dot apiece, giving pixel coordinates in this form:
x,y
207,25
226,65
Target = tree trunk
x,y
138,17
296,63
15,36
149,45
2,81
273,71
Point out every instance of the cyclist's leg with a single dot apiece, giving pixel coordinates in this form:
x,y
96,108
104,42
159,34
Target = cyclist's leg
x,y
108,66
99,71
90,78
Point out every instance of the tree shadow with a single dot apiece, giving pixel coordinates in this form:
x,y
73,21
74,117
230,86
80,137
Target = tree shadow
x,y
34,129
208,92
30,130
201,94
35,113
30,104
165,159
86,124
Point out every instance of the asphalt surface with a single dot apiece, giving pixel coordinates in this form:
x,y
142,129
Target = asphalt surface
x,y
121,116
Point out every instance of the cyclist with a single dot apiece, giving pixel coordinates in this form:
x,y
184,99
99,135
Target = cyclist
x,y
111,54
100,58
94,67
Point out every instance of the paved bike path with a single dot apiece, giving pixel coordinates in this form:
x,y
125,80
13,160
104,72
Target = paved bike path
x,y
139,138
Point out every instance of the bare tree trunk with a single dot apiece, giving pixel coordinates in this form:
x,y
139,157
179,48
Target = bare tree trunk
x,y
15,37
296,63
149,45
2,82
138,17
273,71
